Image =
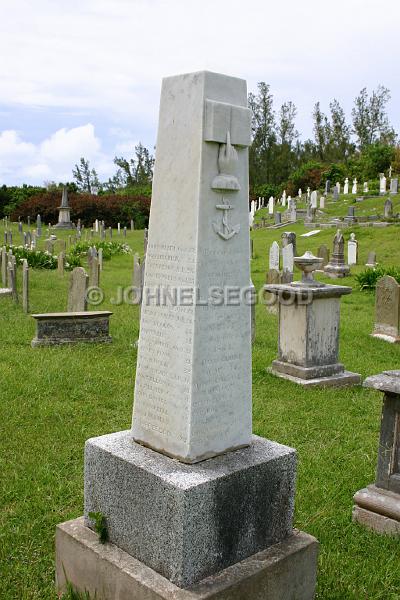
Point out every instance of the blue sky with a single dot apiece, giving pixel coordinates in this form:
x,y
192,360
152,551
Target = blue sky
x,y
82,78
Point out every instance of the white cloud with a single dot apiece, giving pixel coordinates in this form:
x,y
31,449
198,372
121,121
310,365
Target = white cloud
x,y
53,158
105,59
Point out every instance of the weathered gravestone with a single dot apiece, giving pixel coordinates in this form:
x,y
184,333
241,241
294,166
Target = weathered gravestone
x,y
4,267
336,193
337,266
25,286
394,186
77,293
387,309
388,209
377,506
287,263
274,256
323,253
193,391
278,218
289,237
352,250
371,260
61,263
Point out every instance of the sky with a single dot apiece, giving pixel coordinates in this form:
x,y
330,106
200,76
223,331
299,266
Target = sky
x,y
82,77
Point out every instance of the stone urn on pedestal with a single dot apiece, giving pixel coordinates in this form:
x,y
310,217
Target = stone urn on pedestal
x,y
309,315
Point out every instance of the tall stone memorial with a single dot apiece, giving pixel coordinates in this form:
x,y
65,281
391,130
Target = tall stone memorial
x,y
64,218
194,505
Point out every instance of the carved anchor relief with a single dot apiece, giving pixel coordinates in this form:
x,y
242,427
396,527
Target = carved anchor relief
x,y
226,181
228,125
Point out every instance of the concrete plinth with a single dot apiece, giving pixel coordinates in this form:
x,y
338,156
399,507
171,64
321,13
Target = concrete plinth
x,y
378,509
285,571
188,522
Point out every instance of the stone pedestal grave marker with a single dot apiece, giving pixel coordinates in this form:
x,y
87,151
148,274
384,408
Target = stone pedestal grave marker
x,y
308,343
387,310
378,505
64,212
337,268
189,491
352,250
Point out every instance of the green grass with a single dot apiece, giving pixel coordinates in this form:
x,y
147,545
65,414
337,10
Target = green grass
x,y
53,399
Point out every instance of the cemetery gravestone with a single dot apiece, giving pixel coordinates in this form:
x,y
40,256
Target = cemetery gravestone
x,y
289,237
323,253
371,260
193,386
394,185
335,193
64,216
337,266
77,299
274,256
314,199
388,209
287,263
25,286
352,250
382,184
346,186
387,309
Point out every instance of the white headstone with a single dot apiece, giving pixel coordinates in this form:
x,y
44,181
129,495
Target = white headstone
x,y
274,256
193,376
346,186
271,205
338,187
365,187
354,188
314,199
299,193
382,184
287,258
322,202
352,250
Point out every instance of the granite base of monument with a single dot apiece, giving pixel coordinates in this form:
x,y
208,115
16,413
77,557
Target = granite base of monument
x,y
324,375
188,522
284,571
53,329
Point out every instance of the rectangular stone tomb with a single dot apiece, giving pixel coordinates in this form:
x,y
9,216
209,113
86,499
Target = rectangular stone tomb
x,y
72,327
285,570
308,342
378,506
188,522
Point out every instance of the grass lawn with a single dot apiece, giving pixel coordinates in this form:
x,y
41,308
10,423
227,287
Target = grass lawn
x,y
53,399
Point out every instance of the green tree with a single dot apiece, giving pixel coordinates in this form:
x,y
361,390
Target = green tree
x,y
322,132
340,146
370,119
135,171
263,134
86,179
